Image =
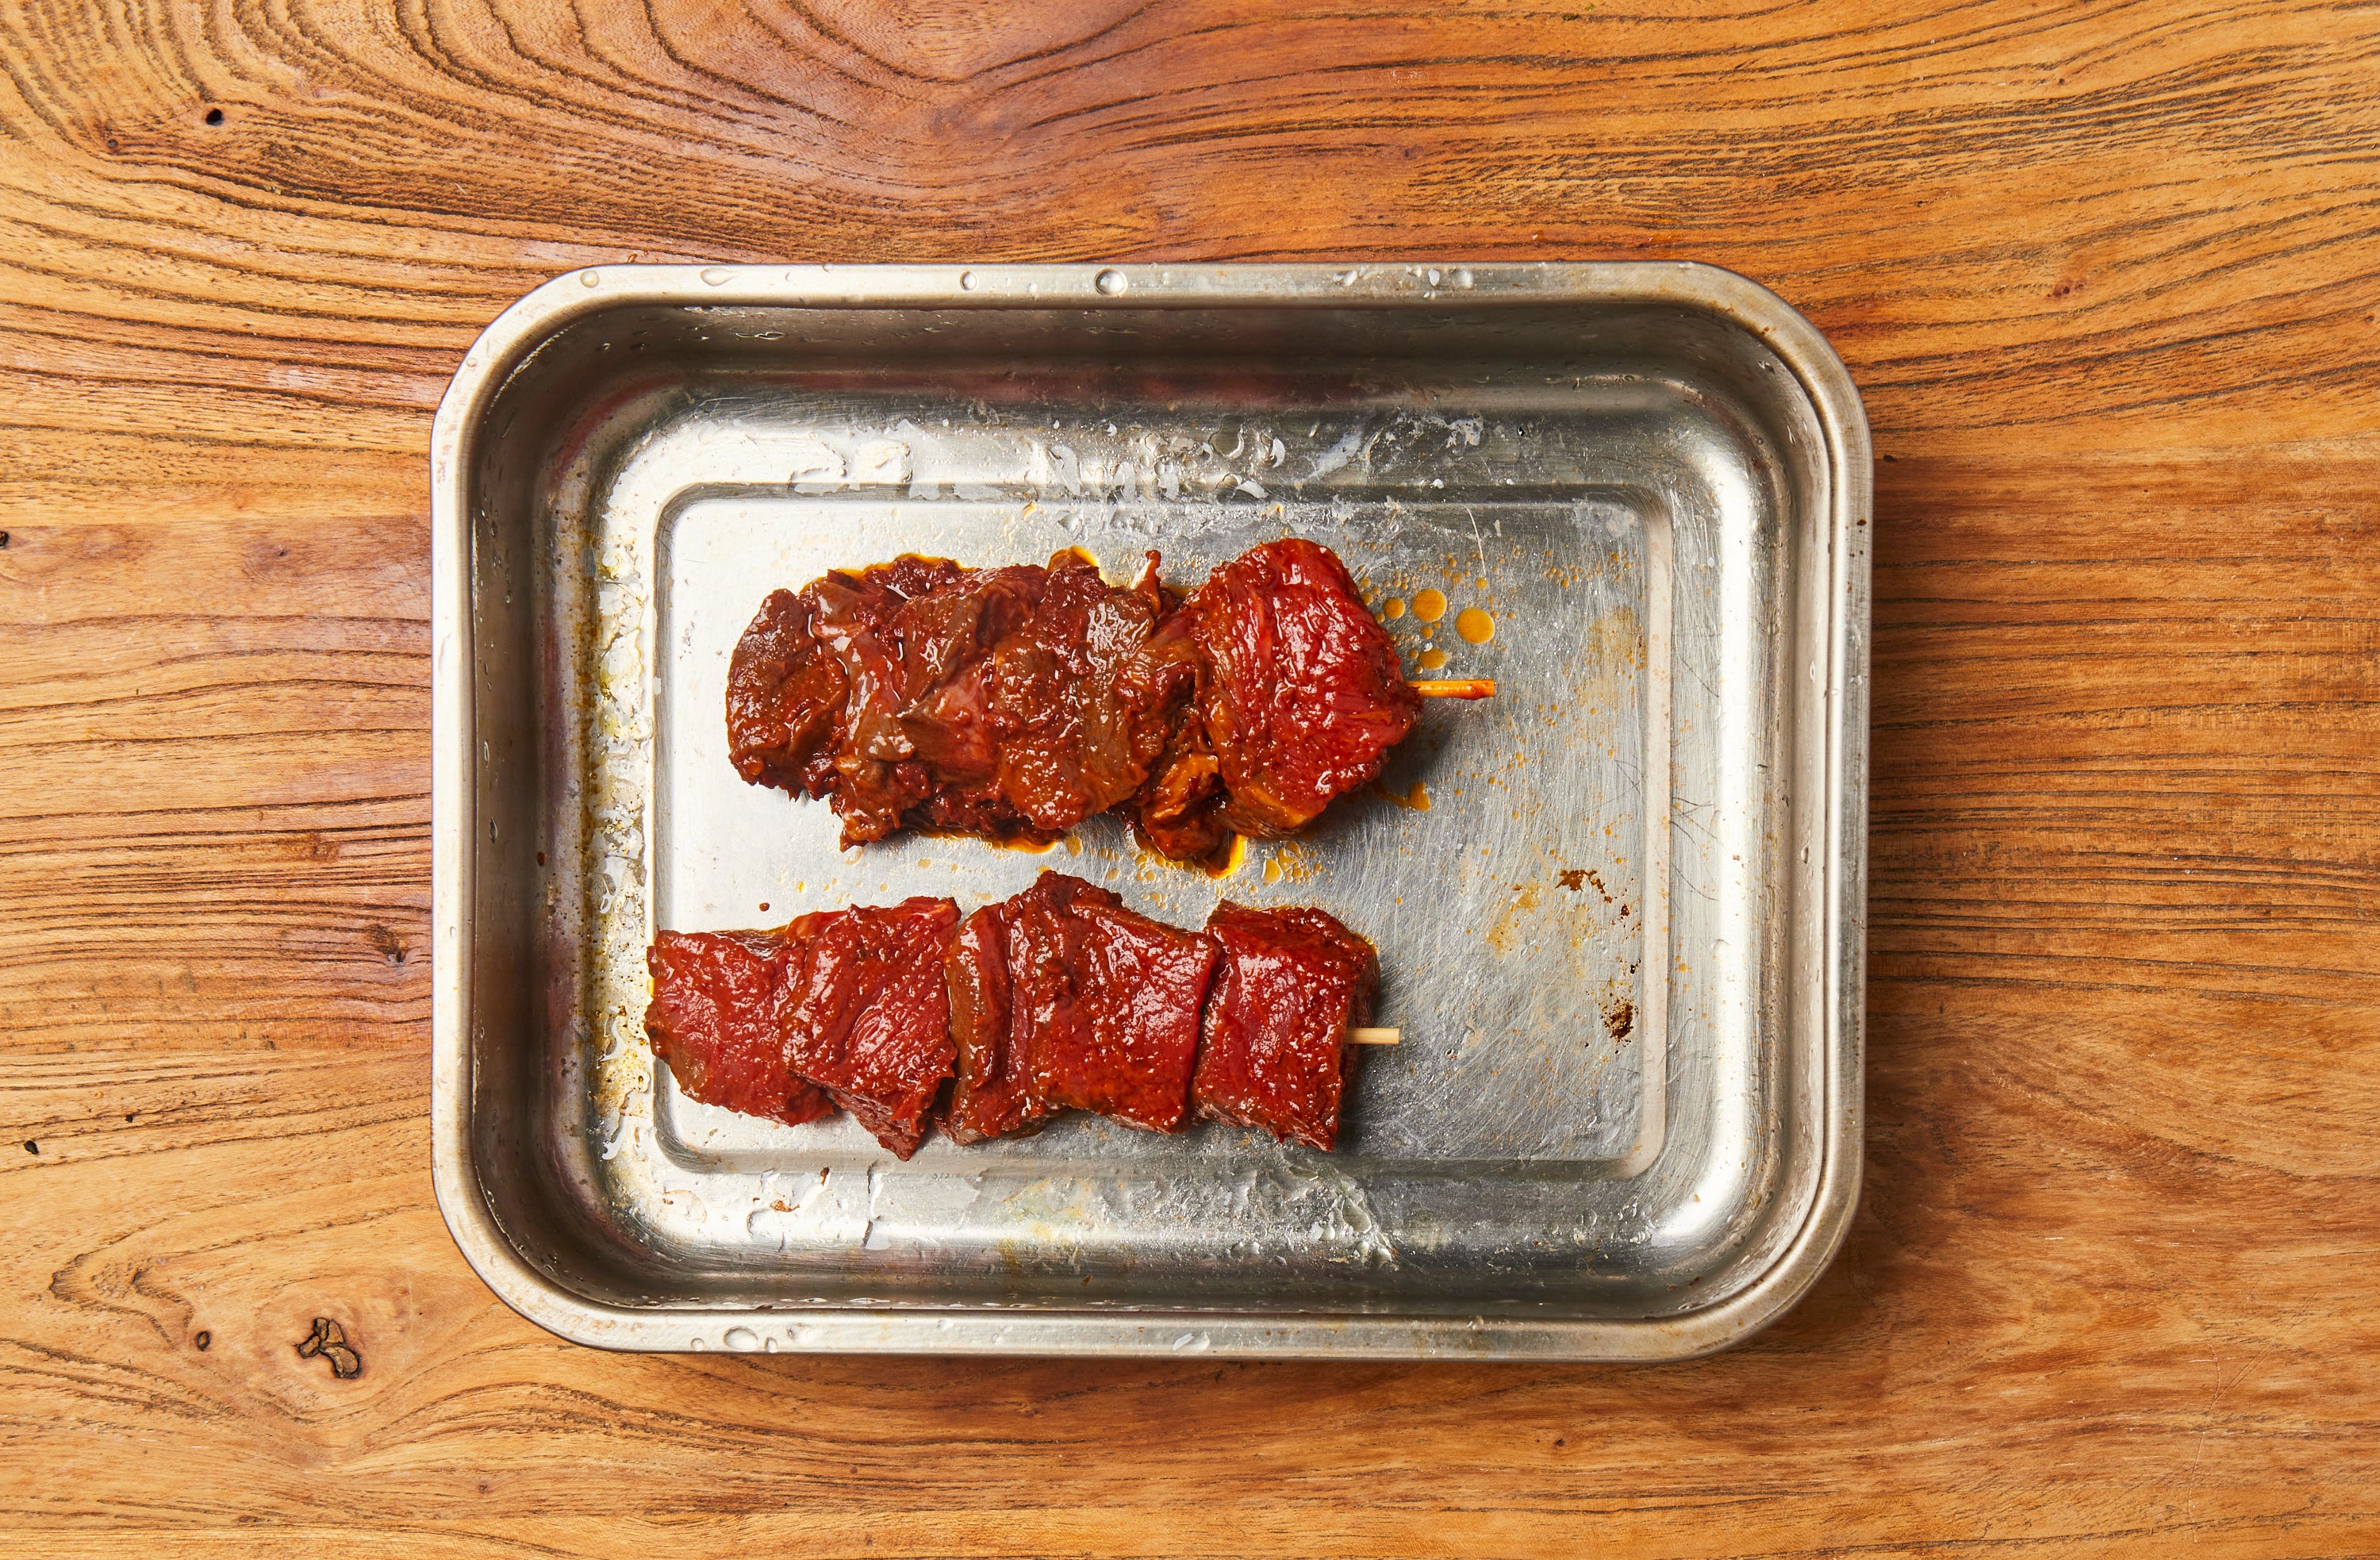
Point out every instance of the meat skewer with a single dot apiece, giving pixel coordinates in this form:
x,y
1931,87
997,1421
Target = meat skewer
x,y
1055,998
1013,704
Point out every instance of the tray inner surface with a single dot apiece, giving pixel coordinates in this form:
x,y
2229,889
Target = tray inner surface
x,y
1568,885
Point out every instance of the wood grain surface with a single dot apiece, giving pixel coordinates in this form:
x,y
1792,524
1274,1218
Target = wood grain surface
x,y
2108,275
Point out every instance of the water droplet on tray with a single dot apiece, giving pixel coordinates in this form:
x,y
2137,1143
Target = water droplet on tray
x,y
742,1340
589,278
717,276
1113,283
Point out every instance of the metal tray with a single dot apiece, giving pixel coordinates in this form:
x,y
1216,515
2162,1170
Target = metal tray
x,y
1617,907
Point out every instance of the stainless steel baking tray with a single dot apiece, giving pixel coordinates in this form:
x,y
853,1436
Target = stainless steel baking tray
x,y
1617,907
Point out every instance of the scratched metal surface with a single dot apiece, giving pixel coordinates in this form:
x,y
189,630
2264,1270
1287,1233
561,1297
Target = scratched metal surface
x,y
1600,899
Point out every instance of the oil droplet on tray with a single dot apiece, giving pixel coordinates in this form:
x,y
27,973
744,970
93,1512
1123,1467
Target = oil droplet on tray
x,y
1417,800
1429,606
1474,625
1233,860
1396,607
1272,869
1430,659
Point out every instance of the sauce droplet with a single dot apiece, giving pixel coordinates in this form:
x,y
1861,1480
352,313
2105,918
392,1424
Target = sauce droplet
x,y
1232,859
1396,607
1417,800
1429,606
1474,625
1272,869
1430,659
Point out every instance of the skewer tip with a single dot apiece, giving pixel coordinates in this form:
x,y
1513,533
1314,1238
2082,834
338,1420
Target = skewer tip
x,y
1364,1035
1454,687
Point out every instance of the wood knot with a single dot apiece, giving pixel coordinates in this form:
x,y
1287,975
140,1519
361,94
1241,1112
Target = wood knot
x,y
330,1340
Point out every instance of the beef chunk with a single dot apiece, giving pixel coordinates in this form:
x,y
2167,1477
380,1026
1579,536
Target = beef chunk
x,y
1301,694
1273,1053
866,1015
992,1095
919,694
712,1020
1015,702
1106,1002
1177,810
785,694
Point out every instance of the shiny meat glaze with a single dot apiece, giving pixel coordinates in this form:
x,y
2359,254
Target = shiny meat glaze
x,y
1287,985
1111,999
1303,695
713,1019
992,1094
868,1019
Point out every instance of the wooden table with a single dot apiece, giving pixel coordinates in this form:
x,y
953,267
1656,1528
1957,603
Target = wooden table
x,y
2108,275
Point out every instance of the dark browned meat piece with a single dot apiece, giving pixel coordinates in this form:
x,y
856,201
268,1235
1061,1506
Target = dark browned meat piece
x,y
1177,810
867,1017
712,1018
1070,742
784,695
1273,1053
1106,1002
1015,702
1301,694
995,703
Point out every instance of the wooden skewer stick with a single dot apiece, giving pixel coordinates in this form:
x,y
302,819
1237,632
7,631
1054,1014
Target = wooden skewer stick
x,y
1364,1036
1454,687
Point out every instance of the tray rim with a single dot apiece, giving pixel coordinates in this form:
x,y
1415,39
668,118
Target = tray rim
x,y
976,1329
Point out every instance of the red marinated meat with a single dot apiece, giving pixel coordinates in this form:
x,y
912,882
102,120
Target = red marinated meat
x,y
1056,998
866,1015
1301,694
1273,1053
1106,1002
992,1094
712,1020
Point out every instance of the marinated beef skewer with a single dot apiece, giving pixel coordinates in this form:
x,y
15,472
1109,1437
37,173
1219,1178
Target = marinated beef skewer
x,y
1055,998
1014,703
